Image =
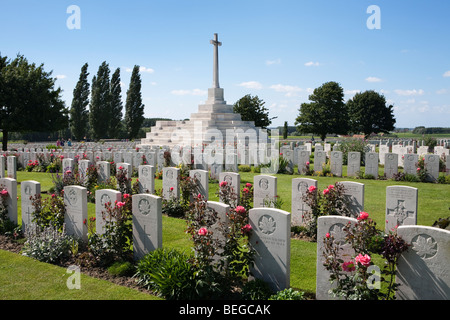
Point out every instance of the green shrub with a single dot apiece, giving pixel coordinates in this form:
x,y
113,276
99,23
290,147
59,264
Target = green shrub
x,y
47,244
121,268
288,294
244,168
168,273
256,289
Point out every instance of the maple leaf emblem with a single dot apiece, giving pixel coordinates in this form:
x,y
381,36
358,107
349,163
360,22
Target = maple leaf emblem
x,y
267,224
425,246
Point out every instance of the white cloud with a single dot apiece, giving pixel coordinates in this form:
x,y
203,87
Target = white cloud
x,y
352,92
413,92
441,91
194,92
251,85
446,74
141,69
271,62
290,90
312,64
60,76
373,79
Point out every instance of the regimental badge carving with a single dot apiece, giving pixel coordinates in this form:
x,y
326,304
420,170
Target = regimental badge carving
x,y
144,207
105,199
145,171
71,197
424,245
338,233
267,224
264,184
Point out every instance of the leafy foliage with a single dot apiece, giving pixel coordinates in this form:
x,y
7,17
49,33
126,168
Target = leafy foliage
x,y
369,113
252,109
326,113
28,99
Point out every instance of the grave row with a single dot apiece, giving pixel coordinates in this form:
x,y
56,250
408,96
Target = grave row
x,y
271,236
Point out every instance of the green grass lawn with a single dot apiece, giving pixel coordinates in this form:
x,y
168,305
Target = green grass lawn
x,y
25,278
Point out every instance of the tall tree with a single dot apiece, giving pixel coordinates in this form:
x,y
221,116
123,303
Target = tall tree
x,y
285,130
99,111
29,100
116,105
369,113
134,109
79,115
252,109
327,113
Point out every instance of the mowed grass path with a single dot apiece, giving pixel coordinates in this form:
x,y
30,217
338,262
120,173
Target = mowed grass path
x,y
25,278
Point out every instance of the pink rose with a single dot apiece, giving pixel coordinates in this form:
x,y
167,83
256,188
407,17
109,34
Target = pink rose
x,y
120,204
363,215
312,188
348,266
363,259
171,188
326,191
126,195
327,235
246,229
223,183
248,185
4,192
202,232
240,209
245,190
330,186
307,163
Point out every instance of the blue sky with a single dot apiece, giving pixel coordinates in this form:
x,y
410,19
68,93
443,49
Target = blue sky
x,y
278,50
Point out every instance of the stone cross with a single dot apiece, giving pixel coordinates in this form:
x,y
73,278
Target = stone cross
x,y
216,44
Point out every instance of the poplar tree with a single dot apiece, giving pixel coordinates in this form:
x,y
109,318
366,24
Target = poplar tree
x,y
99,111
134,109
116,105
79,114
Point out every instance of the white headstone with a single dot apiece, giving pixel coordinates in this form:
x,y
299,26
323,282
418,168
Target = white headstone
x,y
401,206
333,225
303,160
431,164
298,206
354,192
2,166
104,171
336,163
83,166
390,164
371,164
75,219
171,182
234,180
146,179
410,162
102,198
11,164
423,271
147,224
353,163
11,201
320,158
264,190
202,178
271,240
29,189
